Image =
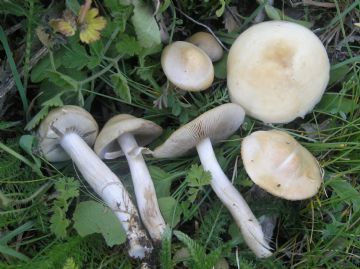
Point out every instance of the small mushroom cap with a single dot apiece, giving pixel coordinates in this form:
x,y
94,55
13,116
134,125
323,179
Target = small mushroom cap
x,y
66,119
106,145
187,66
277,71
280,165
217,124
207,43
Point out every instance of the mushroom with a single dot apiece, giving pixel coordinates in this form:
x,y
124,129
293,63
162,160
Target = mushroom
x,y
214,126
207,43
280,165
67,133
277,71
123,135
187,66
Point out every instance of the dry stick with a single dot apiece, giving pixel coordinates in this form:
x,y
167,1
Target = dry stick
x,y
318,4
7,85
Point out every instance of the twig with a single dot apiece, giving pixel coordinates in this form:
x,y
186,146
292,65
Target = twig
x,y
318,4
9,83
205,26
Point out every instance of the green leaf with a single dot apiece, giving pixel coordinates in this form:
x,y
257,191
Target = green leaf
x,y
162,181
196,250
336,104
92,217
272,13
67,188
62,80
220,67
36,119
221,10
170,209
27,143
146,28
59,222
346,192
128,46
55,101
197,177
120,13
70,264
338,74
73,5
165,252
52,102
121,87
76,57
39,72
276,14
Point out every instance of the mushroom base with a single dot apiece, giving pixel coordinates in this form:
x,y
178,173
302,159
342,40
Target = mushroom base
x,y
108,186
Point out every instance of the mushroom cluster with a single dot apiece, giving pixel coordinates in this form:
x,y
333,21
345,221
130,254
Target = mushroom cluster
x,y
188,64
68,133
271,65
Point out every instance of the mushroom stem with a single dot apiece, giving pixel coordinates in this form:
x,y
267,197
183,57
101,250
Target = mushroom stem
x,y
108,186
143,187
232,199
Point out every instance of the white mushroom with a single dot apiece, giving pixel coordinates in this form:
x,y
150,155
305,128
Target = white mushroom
x,y
122,135
276,162
207,43
277,71
67,133
214,126
187,66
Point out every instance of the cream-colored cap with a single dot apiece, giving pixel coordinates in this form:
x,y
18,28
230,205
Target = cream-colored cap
x,y
277,71
280,165
217,124
187,66
207,43
106,145
65,119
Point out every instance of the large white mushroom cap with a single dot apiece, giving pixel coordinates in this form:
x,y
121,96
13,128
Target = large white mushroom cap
x,y
277,71
276,162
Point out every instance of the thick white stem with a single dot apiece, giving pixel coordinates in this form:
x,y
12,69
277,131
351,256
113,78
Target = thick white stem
x,y
143,187
109,187
234,202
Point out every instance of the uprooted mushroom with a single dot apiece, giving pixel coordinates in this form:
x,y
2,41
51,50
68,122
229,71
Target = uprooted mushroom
x,y
209,128
124,134
67,133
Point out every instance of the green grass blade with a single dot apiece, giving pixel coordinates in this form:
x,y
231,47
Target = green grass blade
x,y
5,250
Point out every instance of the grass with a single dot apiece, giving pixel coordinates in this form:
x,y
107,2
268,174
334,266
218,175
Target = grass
x,y
118,74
